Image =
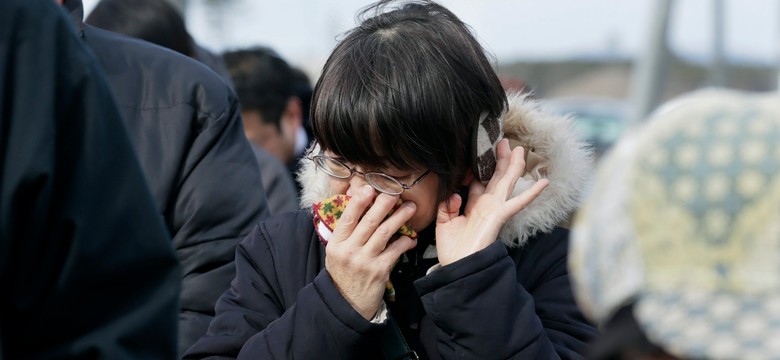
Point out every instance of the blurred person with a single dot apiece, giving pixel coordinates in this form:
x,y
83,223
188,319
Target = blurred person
x,y
156,21
409,110
281,193
185,125
272,115
272,112
86,266
676,251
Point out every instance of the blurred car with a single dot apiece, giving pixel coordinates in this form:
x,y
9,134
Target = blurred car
x,y
601,121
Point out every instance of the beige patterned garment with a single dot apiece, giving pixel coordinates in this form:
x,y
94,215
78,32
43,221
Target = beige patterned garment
x,y
685,215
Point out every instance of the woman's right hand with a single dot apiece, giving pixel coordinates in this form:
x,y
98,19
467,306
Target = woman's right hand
x,y
359,256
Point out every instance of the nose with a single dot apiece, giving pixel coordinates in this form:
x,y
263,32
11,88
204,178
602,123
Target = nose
x,y
355,183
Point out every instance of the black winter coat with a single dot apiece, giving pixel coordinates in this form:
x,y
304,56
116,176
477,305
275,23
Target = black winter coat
x,y
186,126
86,266
498,303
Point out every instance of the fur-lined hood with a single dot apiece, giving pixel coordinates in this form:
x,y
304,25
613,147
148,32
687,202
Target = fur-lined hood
x,y
558,153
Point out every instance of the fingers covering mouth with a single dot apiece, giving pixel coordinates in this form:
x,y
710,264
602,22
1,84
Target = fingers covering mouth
x,y
328,212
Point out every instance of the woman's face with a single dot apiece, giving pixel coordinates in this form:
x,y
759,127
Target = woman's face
x,y
423,194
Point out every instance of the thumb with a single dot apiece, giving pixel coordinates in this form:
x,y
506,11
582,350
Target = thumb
x,y
448,209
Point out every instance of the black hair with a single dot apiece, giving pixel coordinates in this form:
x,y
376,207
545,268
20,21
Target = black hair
x,y
623,338
263,81
406,88
303,91
155,21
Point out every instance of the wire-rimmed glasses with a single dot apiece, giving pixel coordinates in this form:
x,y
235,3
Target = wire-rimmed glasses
x,y
380,181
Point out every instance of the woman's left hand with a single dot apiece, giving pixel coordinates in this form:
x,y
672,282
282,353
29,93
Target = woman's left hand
x,y
488,208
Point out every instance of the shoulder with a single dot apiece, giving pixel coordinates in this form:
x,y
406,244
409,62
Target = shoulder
x,y
267,162
294,222
543,256
283,247
155,77
556,241
284,235
278,184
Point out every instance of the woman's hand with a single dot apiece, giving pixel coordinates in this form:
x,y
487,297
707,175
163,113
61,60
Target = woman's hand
x,y
488,208
359,256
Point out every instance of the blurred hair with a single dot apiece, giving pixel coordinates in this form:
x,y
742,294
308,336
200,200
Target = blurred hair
x,y
263,81
622,338
303,90
155,21
406,88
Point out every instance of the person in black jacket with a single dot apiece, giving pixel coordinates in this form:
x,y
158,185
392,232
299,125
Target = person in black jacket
x,y
86,266
409,109
157,22
185,124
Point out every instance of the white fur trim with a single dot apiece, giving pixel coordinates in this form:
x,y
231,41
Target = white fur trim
x,y
569,167
316,185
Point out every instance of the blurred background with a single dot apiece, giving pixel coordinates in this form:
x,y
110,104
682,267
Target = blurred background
x,y
606,62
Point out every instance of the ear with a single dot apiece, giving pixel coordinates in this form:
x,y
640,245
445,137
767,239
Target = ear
x,y
468,178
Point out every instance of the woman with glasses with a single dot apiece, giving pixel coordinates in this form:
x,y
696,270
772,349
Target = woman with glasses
x,y
409,111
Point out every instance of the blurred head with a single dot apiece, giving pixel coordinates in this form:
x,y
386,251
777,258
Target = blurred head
x,y
404,90
155,21
265,85
683,223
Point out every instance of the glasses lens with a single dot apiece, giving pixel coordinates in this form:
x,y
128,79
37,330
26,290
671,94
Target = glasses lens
x,y
384,183
332,167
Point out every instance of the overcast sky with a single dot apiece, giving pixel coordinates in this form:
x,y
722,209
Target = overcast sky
x,y
304,31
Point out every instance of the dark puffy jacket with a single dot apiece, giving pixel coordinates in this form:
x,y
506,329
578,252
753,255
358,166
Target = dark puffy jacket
x,y
510,300
498,303
86,266
185,124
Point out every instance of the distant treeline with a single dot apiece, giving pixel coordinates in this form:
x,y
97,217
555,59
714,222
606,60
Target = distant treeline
x,y
611,77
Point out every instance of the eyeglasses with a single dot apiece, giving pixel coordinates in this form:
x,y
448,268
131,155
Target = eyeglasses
x,y
379,181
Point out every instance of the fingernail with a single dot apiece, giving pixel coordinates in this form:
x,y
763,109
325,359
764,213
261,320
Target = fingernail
x,y
367,190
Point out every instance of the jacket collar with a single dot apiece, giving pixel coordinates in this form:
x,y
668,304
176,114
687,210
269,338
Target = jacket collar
x,y
76,10
558,154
